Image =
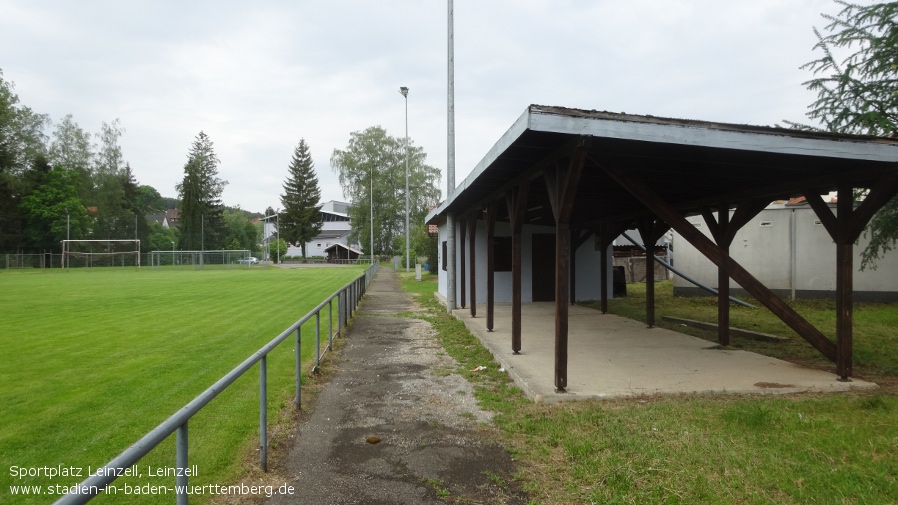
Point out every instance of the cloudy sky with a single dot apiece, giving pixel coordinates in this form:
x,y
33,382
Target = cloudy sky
x,y
258,76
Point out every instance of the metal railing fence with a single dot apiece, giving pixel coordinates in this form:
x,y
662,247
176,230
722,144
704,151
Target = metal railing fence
x,y
347,299
22,261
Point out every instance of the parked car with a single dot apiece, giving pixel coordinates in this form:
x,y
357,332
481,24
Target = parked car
x,y
252,260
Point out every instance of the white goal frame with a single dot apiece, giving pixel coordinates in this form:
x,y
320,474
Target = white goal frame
x,y
67,252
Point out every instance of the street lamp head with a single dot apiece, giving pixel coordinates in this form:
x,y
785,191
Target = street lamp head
x,y
404,91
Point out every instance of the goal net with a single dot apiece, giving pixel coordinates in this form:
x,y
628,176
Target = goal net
x,y
199,260
100,253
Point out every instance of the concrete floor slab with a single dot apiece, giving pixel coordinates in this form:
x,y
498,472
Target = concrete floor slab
x,y
611,356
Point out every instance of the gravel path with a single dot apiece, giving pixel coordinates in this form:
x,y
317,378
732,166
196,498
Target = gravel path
x,y
396,387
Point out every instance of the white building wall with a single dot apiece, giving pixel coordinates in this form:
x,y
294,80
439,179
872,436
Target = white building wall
x,y
588,259
589,284
792,253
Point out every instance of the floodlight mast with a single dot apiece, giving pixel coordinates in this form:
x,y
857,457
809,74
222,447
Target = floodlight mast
x,y
404,91
67,237
450,166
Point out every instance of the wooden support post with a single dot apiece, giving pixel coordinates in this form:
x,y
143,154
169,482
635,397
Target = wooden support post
x,y
516,199
723,281
602,239
561,185
575,234
472,223
562,252
844,285
704,245
845,228
718,228
462,231
490,263
724,229
650,230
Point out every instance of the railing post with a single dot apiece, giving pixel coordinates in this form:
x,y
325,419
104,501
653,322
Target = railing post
x,y
342,316
339,311
298,367
263,413
317,339
181,461
352,288
330,324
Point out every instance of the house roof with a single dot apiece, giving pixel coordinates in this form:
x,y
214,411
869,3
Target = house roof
x,y
343,246
689,164
155,218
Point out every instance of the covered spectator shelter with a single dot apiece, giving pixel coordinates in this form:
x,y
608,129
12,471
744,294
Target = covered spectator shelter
x,y
592,174
341,252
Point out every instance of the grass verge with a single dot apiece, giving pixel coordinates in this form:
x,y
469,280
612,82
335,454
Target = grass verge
x,y
720,449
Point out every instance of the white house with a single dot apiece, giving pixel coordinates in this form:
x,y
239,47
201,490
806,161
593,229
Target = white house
x,y
335,228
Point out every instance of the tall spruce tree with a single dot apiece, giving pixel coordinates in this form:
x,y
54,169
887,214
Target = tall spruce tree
x,y
300,220
201,208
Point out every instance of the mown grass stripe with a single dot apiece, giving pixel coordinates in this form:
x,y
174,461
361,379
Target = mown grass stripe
x,y
94,359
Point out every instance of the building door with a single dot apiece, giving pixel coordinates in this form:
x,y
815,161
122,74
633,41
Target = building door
x,y
543,267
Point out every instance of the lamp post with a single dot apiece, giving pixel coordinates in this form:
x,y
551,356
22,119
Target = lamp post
x,y
172,253
404,91
372,214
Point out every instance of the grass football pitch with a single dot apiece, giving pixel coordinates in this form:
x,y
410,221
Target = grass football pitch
x,y
91,360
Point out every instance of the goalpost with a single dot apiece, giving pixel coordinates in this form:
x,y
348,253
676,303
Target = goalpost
x,y
91,253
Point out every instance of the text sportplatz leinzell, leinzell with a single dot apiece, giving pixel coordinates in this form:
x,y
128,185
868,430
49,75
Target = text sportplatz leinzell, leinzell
x,y
51,472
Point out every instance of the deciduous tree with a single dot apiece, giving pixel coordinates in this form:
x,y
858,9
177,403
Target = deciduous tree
x,y
374,164
22,147
47,208
70,149
240,233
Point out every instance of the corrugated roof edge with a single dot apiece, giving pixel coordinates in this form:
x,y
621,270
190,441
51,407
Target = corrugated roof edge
x,y
772,130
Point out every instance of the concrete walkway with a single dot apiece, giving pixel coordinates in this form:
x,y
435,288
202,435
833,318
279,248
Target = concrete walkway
x,y
395,386
611,356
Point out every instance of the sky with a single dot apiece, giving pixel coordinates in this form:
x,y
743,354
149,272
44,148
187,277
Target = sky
x,y
257,77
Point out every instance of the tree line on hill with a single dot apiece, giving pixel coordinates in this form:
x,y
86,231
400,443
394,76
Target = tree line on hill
x,y
77,185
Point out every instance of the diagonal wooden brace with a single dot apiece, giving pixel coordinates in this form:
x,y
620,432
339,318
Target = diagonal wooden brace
x,y
704,245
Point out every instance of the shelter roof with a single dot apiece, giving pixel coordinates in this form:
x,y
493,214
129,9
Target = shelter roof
x,y
343,246
690,164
